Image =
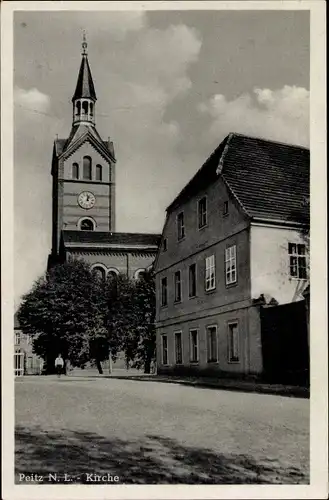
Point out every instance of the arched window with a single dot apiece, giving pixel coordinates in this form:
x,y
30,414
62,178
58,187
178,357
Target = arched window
x,y
139,274
98,172
91,109
86,225
99,272
85,107
87,167
75,171
78,107
113,274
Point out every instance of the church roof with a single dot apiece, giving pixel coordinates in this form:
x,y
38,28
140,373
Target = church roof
x,y
108,239
78,131
85,85
270,180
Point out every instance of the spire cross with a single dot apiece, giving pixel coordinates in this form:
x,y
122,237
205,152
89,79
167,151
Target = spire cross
x,y
84,43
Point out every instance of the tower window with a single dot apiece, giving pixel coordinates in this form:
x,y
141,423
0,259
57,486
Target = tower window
x,y
85,107
75,171
78,107
87,167
91,109
87,225
99,172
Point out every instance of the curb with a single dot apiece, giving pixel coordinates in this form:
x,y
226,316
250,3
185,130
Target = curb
x,y
287,391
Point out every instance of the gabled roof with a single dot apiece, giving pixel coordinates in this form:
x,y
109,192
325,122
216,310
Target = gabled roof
x,y
78,134
85,85
270,180
108,239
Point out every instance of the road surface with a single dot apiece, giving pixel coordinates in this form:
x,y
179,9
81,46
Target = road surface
x,y
76,430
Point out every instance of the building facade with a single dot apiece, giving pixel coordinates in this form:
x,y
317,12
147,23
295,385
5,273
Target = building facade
x,y
25,361
83,194
232,243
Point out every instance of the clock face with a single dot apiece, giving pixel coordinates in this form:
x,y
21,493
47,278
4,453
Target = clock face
x,y
86,200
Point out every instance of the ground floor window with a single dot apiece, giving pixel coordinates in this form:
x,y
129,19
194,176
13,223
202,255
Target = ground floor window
x,y
18,364
178,348
212,343
233,343
164,349
194,346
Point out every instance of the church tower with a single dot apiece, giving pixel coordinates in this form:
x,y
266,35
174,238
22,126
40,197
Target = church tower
x,y
83,197
83,168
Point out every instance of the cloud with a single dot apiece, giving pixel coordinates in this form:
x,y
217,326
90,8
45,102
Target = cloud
x,y
32,99
281,115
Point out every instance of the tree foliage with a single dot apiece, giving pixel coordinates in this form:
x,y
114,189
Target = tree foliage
x,y
64,314
72,311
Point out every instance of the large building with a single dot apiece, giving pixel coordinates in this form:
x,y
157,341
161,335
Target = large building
x,y
233,245
83,172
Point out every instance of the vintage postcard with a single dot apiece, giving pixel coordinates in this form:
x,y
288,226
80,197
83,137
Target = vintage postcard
x,y
164,327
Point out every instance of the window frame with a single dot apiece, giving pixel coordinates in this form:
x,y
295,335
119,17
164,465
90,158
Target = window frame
x,y
90,176
225,208
99,169
164,303
228,269
76,166
208,277
230,358
192,360
202,214
18,338
209,358
89,219
180,226
180,333
195,280
299,257
177,298
164,335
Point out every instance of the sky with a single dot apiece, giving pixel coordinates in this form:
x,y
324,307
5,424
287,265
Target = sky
x,y
170,86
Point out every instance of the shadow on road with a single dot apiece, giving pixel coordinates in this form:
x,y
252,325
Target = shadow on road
x,y
155,460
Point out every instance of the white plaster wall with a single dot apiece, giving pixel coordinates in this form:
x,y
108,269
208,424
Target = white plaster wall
x,y
269,263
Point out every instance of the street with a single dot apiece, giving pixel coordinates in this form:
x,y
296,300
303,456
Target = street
x,y
153,433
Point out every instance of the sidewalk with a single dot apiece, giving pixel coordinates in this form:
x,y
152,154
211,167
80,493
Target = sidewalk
x,y
213,383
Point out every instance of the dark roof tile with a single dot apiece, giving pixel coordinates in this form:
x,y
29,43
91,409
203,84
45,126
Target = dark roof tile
x,y
269,179
99,237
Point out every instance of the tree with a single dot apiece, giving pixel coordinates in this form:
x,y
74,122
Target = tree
x,y
64,313
131,319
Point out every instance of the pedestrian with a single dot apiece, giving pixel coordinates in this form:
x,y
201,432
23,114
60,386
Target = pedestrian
x,y
59,364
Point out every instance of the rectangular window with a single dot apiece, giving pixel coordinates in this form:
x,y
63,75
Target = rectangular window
x,y
178,348
178,286
192,280
202,212
297,261
230,265
17,338
164,291
212,343
164,349
180,226
210,273
225,208
164,245
233,343
194,347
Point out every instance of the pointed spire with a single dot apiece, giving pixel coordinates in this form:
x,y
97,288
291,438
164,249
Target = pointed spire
x,y
85,85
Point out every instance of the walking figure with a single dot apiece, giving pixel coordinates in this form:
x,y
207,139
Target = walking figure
x,y
59,364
